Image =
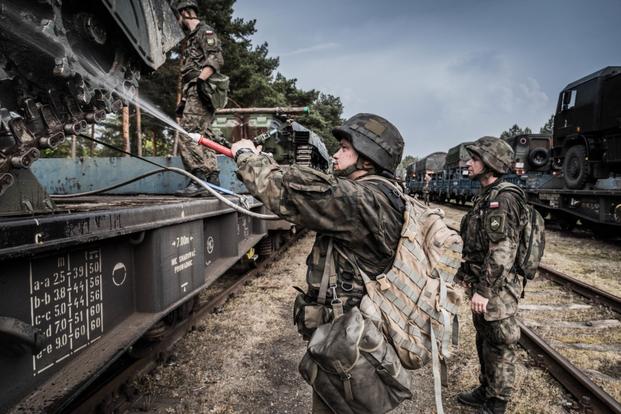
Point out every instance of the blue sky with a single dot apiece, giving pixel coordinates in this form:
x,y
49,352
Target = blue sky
x,y
443,71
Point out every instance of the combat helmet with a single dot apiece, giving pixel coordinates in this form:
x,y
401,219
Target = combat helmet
x,y
179,5
494,152
375,138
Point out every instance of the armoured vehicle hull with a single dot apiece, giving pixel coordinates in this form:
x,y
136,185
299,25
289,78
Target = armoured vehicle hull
x,y
66,64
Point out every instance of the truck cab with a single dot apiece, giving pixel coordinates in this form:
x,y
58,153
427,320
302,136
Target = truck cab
x,y
587,129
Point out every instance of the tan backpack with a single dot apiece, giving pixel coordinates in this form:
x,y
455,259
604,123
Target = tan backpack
x,y
416,302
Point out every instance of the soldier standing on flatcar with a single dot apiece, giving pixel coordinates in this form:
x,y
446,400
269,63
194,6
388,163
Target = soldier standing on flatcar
x,y
204,91
362,217
491,233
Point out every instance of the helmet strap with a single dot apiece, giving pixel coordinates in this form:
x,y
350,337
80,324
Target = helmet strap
x,y
359,165
347,171
486,170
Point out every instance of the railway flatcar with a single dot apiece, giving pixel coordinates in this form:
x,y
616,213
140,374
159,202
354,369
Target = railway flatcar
x,y
87,280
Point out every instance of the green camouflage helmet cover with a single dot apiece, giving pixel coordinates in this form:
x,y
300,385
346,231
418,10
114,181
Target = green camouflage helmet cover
x,y
375,138
494,152
184,4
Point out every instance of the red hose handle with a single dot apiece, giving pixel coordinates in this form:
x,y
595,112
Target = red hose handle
x,y
206,142
215,146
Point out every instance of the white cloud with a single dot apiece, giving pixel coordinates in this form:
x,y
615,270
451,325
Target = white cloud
x,y
311,49
436,100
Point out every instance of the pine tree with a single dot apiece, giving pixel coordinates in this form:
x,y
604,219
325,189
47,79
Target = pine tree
x,y
548,127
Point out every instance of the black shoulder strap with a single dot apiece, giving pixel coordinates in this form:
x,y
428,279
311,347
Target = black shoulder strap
x,y
390,190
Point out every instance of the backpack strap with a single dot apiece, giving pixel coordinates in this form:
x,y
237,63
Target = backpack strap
x,y
504,185
436,367
329,281
392,192
530,248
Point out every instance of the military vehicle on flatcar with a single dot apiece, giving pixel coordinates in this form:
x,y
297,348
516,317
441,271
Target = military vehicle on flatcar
x,y
432,166
410,176
532,153
587,131
458,187
586,180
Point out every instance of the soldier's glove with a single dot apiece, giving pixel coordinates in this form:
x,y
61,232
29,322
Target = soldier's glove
x,y
204,91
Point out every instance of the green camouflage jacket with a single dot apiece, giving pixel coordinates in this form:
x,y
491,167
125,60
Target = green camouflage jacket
x,y
202,49
357,215
491,232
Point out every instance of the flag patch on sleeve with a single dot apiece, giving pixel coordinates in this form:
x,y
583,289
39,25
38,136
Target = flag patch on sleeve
x,y
494,204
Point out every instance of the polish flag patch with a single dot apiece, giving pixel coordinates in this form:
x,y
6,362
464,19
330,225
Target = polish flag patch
x,y
494,204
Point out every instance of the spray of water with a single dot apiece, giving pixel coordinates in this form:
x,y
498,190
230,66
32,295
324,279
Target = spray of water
x,y
44,41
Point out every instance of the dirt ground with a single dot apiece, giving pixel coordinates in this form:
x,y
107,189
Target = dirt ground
x,y
244,359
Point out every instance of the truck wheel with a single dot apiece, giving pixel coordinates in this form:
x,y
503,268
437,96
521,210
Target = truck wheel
x,y
576,169
538,157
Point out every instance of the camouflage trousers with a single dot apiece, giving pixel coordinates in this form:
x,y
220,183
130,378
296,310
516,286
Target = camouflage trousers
x,y
496,343
196,117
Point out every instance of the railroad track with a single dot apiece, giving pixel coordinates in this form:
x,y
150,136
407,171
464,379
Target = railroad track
x,y
111,393
588,394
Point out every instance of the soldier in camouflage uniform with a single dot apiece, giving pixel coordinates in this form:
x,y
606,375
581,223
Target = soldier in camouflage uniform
x,y
491,233
362,218
201,60
426,181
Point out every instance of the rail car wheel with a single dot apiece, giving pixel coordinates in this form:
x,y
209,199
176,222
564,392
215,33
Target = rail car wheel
x,y
565,222
604,231
576,169
538,157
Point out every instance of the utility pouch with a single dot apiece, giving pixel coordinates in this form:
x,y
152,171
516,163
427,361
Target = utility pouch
x,y
219,85
308,315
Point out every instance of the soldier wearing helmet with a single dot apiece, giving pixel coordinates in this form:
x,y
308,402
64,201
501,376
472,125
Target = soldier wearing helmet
x,y
204,91
491,233
360,217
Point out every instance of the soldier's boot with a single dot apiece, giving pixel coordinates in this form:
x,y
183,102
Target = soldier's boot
x,y
473,398
214,178
493,406
193,189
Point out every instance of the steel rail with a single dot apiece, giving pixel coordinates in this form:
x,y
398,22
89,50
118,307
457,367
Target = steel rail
x,y
99,396
589,395
581,288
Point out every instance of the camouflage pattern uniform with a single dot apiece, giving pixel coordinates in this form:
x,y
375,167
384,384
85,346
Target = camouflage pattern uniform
x,y
202,49
357,215
491,232
426,181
